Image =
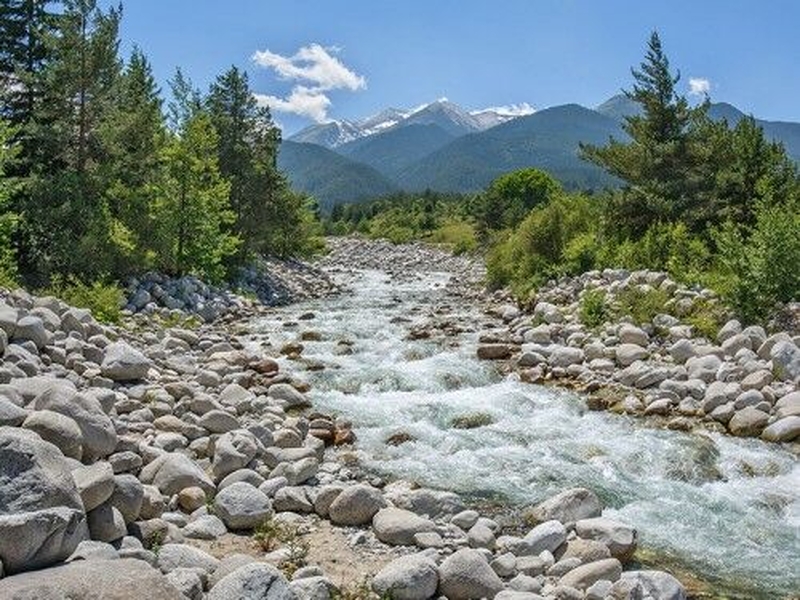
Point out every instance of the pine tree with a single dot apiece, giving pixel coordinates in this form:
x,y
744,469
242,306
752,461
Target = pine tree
x,y
66,217
659,163
133,134
186,101
26,27
192,211
248,151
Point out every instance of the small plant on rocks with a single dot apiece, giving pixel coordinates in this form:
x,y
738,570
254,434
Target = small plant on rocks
x,y
642,304
267,534
593,309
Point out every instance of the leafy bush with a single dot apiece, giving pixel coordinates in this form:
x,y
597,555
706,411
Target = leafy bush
x,y
552,240
641,303
593,308
105,300
763,267
663,247
457,234
511,196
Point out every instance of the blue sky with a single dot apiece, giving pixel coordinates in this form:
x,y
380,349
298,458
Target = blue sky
x,y
331,59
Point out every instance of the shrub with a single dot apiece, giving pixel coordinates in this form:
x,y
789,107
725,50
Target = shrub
x,y
105,300
457,234
663,247
554,239
763,266
593,309
641,303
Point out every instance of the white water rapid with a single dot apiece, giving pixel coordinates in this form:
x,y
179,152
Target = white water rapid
x,y
729,508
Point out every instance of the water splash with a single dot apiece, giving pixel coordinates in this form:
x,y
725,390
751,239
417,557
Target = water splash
x,y
730,507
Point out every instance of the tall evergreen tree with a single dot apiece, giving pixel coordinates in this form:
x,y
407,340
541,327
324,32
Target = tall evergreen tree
x,y
659,163
26,27
65,218
134,135
248,148
192,210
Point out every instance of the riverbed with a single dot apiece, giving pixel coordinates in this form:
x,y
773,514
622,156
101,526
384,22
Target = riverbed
x,y
727,508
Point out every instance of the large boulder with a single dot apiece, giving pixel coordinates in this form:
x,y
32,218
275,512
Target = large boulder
x,y
171,473
122,362
242,506
412,577
122,579
11,415
620,538
786,360
95,484
608,569
30,328
42,519
398,527
657,584
99,435
233,451
748,422
786,429
568,506
356,505
60,430
289,395
466,574
256,581
548,536
182,556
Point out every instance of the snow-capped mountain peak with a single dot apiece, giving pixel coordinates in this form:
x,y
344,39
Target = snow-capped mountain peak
x,y
442,112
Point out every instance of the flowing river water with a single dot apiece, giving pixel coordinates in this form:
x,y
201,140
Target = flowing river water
x,y
727,508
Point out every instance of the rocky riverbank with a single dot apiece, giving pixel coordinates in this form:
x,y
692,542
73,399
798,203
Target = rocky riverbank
x,y
267,282
742,380
191,463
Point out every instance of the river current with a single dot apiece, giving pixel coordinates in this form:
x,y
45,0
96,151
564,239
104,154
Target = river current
x,y
728,508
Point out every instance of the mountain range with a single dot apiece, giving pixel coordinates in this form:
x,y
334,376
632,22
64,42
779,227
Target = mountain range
x,y
443,147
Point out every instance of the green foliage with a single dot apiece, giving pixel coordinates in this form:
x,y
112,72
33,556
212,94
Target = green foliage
x,y
105,300
593,308
192,207
95,185
510,197
8,220
664,246
436,218
550,241
762,265
271,533
641,303
458,234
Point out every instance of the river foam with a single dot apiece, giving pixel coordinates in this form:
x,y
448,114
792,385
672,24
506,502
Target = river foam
x,y
729,507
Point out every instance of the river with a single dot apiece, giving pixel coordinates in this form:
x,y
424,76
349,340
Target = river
x,y
727,508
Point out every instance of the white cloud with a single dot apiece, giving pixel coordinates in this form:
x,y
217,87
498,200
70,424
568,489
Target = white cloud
x,y
699,86
510,110
302,101
315,71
